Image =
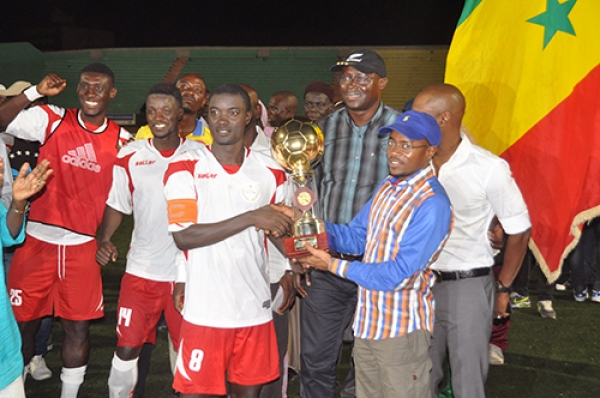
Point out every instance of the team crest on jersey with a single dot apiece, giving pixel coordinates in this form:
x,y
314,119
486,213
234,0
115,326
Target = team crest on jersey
x,y
83,157
251,192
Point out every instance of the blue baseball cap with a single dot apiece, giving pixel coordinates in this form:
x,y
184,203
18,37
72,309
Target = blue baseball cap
x,y
415,125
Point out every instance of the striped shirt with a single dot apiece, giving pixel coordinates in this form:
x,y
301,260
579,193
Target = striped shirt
x,y
401,230
353,164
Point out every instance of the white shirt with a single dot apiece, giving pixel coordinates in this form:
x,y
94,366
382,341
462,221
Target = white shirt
x,y
278,263
479,185
138,188
7,181
227,283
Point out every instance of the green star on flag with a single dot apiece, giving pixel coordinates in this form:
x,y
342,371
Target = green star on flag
x,y
555,18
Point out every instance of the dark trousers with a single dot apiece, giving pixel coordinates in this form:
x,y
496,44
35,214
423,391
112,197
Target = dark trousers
x,y
325,312
500,327
545,290
583,259
280,322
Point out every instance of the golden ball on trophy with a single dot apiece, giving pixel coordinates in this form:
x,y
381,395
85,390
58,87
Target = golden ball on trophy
x,y
297,145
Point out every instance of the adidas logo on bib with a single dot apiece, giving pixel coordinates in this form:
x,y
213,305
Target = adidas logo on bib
x,y
83,157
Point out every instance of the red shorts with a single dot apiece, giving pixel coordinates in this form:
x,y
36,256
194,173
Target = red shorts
x,y
141,302
45,276
247,355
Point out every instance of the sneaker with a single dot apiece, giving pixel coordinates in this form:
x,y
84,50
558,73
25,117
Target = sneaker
x,y
496,355
596,296
580,297
518,301
562,286
545,309
38,368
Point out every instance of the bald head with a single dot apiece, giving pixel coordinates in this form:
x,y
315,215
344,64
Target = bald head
x,y
282,105
445,103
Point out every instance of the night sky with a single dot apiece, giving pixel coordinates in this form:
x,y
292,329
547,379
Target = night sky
x,y
245,23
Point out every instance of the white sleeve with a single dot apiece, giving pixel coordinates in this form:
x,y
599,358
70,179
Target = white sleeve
x,y
124,137
120,196
181,264
7,181
506,199
35,124
278,262
282,193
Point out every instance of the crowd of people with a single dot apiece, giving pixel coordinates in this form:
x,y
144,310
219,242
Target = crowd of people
x,y
414,213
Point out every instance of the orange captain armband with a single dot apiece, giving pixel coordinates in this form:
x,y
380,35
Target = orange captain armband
x,y
182,211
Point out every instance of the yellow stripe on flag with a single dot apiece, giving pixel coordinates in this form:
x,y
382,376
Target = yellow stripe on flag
x,y
498,60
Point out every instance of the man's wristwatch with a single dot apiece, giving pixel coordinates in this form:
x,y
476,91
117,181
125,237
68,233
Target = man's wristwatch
x,y
500,288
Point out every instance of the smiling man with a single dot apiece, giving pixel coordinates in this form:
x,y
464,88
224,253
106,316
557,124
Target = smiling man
x,y
399,231
152,260
218,203
55,271
194,97
353,165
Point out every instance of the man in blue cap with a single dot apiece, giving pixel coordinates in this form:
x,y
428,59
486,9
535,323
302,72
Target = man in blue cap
x,y
399,232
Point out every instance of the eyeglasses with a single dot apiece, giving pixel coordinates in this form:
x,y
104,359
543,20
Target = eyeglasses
x,y
319,105
358,80
404,146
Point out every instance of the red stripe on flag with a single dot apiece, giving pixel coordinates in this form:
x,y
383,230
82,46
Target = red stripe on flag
x,y
557,167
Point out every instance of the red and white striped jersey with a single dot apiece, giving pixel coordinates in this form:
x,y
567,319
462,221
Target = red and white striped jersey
x,y
138,188
227,283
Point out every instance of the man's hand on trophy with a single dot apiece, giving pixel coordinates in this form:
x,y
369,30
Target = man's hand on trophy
x,y
318,258
289,211
273,222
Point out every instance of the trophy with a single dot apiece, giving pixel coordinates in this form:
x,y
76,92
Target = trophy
x,y
297,146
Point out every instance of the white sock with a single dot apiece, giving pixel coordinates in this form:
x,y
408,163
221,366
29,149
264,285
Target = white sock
x,y
122,378
26,371
71,378
172,354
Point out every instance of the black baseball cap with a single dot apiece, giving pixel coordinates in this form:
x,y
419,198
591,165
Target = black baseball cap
x,y
365,61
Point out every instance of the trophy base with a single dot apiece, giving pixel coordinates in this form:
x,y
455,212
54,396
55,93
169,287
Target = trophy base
x,y
294,246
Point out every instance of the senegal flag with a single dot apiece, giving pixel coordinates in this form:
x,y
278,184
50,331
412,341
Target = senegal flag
x,y
530,71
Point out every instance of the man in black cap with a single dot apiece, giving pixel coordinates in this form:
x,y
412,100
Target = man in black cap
x,y
353,165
